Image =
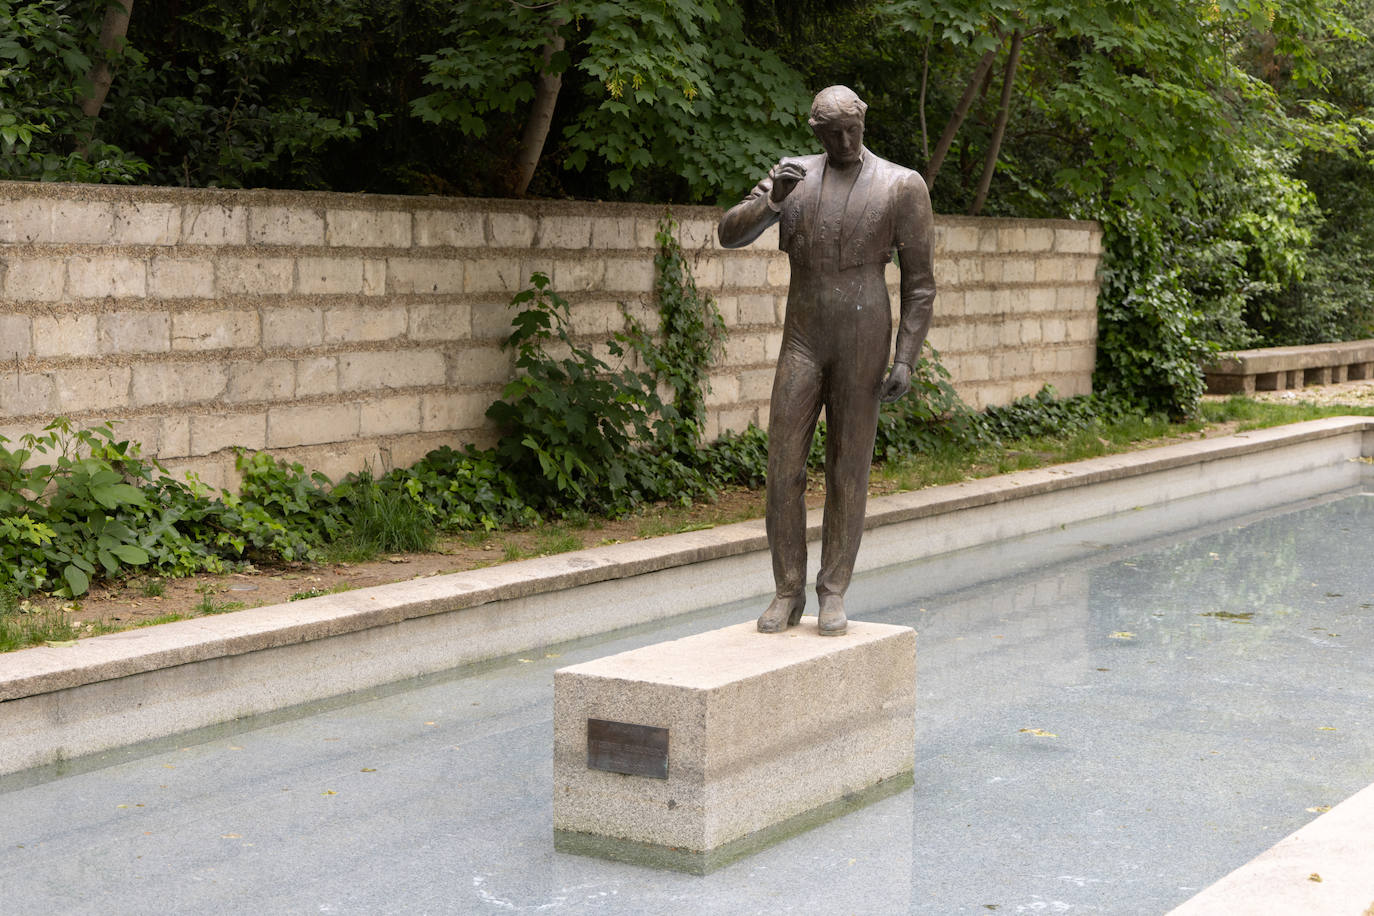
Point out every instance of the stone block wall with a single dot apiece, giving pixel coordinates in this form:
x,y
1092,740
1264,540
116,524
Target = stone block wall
x,y
338,329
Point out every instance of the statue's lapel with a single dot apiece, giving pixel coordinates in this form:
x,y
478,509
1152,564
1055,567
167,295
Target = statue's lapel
x,y
857,206
811,199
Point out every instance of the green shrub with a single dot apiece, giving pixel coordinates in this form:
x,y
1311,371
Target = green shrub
x,y
1045,415
567,422
930,416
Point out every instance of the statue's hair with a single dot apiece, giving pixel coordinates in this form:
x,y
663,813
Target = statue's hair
x,y
835,102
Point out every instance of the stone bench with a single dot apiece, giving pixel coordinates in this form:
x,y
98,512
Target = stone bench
x,y
1283,368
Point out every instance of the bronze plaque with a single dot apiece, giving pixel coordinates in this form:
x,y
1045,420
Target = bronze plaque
x,y
620,747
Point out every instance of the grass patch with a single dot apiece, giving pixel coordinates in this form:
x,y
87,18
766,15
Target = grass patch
x,y
161,618
208,604
556,540
317,592
382,522
950,465
23,624
1252,414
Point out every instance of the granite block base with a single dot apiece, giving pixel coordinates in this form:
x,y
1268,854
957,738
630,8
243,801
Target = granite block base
x,y
768,735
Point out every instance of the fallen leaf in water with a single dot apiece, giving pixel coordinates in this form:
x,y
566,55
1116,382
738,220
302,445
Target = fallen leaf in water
x,y
1039,733
1326,728
329,792
230,836
1320,809
1121,634
369,770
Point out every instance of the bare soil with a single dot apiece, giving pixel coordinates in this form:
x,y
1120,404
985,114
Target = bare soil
x,y
141,601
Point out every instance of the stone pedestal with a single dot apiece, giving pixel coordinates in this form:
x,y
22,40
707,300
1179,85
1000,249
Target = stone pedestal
x,y
704,749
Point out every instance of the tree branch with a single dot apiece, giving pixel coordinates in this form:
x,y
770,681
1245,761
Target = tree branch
x,y
957,118
925,76
1000,128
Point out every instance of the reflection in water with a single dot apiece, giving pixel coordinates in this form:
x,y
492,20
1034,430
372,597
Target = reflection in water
x,y
1115,732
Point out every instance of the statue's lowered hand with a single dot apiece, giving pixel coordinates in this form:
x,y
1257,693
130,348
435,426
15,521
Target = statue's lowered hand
x,y
897,383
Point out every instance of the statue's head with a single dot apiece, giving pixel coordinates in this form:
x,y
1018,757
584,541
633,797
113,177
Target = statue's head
x,y
837,118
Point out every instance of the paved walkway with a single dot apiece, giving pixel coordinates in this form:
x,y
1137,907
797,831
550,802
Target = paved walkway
x,y
1355,394
1107,735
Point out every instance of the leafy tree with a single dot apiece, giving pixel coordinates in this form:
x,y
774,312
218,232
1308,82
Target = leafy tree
x,y
1330,301
46,52
228,94
661,90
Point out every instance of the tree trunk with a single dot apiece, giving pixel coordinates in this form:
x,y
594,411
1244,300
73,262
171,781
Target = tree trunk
x,y
541,116
925,79
957,118
112,32
1000,128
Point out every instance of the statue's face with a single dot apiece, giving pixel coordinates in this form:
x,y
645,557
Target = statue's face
x,y
843,139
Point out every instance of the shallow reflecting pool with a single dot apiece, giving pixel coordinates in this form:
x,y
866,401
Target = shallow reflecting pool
x,y
1111,716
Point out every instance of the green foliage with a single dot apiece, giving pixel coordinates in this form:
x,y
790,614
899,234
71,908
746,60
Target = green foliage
x,y
669,93
464,490
692,335
1252,414
209,605
929,417
382,519
1248,244
66,521
1167,122
228,93
489,72
78,505
46,51
1149,347
1331,300
568,422
1045,415
289,512
739,459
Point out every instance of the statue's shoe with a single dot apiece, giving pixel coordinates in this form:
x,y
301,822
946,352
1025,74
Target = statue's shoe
x,y
782,613
832,621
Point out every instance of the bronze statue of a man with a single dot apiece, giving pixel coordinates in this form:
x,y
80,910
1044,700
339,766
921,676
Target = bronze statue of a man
x,y
842,213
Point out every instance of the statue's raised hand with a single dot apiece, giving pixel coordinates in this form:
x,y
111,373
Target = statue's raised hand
x,y
786,174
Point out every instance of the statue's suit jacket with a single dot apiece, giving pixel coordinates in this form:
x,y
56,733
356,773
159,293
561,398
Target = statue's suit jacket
x,y
888,210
